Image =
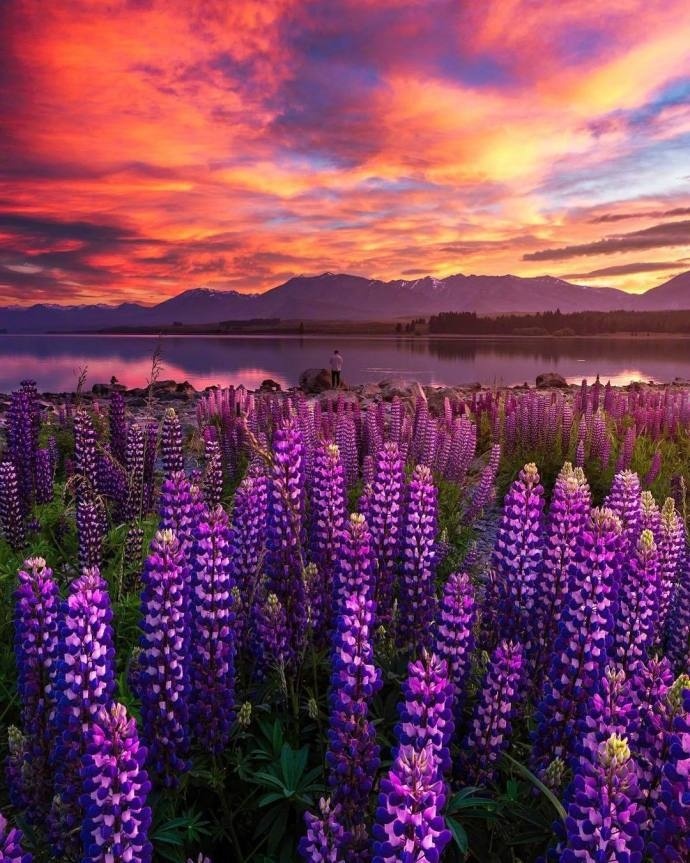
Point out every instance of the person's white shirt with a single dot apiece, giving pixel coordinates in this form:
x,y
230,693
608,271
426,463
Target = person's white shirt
x,y
336,362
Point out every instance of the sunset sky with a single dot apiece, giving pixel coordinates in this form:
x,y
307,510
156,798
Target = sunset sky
x,y
151,146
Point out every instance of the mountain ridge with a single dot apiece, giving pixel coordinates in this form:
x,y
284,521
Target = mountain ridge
x,y
347,297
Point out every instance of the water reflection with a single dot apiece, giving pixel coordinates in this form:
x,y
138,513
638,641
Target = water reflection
x,y
55,361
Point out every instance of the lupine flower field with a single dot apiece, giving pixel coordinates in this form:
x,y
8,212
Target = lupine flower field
x,y
304,630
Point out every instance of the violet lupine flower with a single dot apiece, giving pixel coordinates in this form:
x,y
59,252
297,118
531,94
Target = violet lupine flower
x,y
385,521
164,660
671,827
150,449
11,850
352,758
213,474
603,820
409,825
654,469
484,490
454,631
670,542
678,620
568,513
115,786
491,725
271,636
44,476
325,835
134,465
346,438
327,507
11,518
355,569
636,611
583,640
285,527
417,598
21,445
651,514
90,530
36,610
171,443
212,634
580,454
626,450
426,713
610,710
118,426
85,682
181,508
517,557
249,513
84,449
624,500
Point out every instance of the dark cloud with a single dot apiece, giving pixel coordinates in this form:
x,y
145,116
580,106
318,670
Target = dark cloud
x,y
649,214
654,237
627,269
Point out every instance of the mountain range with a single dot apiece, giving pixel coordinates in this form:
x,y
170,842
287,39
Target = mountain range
x,y
339,296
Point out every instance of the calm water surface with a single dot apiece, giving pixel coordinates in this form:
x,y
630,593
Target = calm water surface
x,y
55,361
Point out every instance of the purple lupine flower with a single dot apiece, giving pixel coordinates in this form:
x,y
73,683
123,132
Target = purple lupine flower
x,y
650,513
670,542
385,521
355,569
134,465
181,508
417,603
118,426
409,825
164,672
150,449
624,500
212,633
580,454
84,449
85,682
44,476
37,602
491,725
604,814
11,518
90,529
678,620
484,490
610,710
568,514
171,443
271,636
583,640
249,513
11,850
426,713
517,557
346,438
654,469
115,786
21,445
325,835
352,758
626,450
213,474
284,562
657,702
327,507
454,636
636,612
671,824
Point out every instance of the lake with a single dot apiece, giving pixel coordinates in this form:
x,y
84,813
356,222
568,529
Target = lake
x,y
56,360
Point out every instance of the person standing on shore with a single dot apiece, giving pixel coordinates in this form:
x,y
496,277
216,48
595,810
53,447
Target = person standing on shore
x,y
336,363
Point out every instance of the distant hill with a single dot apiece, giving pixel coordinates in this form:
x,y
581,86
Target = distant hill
x,y
339,296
